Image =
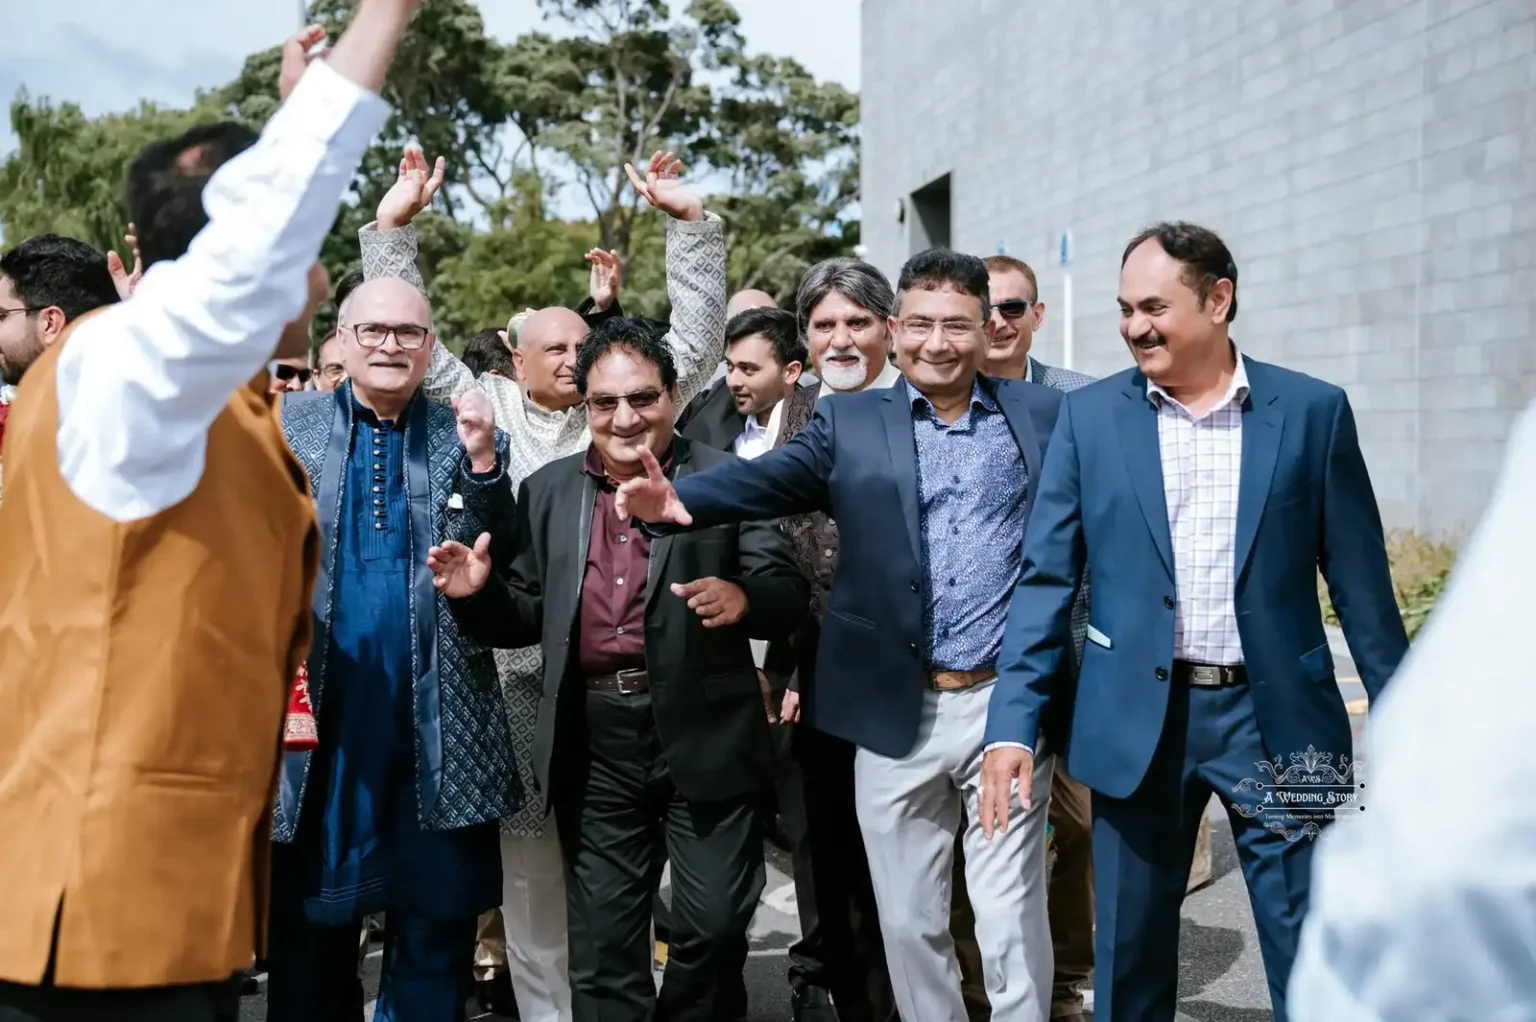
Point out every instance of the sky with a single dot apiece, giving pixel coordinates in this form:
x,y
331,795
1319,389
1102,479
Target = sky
x,y
107,54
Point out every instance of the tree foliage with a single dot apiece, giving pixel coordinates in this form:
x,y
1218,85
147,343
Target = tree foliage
x,y
545,121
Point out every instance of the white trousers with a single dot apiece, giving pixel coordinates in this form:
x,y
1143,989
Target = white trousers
x,y
909,810
533,905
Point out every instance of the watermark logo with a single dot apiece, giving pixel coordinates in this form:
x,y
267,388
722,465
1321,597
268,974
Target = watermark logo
x,y
1298,798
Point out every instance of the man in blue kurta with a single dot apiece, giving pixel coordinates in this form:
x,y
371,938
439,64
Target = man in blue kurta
x,y
396,810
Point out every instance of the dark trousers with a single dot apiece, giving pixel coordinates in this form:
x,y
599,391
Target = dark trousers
x,y
962,928
832,879
1069,898
312,968
617,809
202,1002
1142,846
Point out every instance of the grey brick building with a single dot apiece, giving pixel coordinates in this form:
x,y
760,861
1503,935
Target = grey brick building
x,y
1372,164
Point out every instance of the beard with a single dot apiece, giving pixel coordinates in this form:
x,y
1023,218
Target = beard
x,y
15,362
841,377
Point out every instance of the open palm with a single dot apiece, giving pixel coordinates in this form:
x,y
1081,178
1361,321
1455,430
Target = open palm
x,y
459,571
663,187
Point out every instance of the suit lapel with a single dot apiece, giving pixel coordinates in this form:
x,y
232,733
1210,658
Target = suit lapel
x,y
1024,434
1263,426
903,444
1137,426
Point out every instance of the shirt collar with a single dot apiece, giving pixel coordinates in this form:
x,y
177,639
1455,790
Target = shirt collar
x,y
1237,387
887,378
980,396
1029,370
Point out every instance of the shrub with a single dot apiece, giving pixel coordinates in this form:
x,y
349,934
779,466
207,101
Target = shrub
x,y
1420,568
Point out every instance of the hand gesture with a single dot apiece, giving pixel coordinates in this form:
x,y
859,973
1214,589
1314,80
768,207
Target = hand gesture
x,y
789,710
297,57
999,769
126,282
458,571
716,601
651,497
663,190
607,278
477,429
413,191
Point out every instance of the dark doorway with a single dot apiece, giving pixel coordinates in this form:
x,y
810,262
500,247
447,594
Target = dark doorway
x,y
930,215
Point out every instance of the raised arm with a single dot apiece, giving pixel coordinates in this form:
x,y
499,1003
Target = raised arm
x,y
140,384
696,280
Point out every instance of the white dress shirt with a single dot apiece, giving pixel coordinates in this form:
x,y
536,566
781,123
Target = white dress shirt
x,y
140,384
1202,463
1423,906
756,439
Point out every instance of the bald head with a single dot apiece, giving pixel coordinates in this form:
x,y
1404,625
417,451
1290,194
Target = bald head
x,y
751,298
545,357
387,300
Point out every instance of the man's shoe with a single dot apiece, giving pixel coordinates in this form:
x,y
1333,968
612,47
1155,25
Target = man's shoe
x,y
813,1004
495,996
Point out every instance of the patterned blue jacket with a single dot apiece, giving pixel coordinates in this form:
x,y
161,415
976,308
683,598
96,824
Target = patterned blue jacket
x,y
465,772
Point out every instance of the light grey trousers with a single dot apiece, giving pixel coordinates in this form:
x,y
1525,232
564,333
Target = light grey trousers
x,y
909,810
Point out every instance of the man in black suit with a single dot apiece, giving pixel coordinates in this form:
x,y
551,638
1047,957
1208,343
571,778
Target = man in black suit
x,y
652,720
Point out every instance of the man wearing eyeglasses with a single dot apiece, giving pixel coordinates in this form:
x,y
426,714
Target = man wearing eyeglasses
x,y
396,811
931,483
651,720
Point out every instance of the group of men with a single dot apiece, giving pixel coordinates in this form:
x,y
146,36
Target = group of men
x,y
574,617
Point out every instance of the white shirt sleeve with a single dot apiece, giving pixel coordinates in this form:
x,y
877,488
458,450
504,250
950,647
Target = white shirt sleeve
x,y
1423,905
140,383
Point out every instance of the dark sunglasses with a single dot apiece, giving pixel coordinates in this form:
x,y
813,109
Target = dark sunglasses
x,y
609,403
286,373
1014,309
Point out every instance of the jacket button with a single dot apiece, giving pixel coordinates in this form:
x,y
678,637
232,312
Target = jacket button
x,y
1168,602
914,587
1161,673
913,647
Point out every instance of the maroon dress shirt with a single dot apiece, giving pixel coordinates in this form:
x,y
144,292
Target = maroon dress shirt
x,y
612,615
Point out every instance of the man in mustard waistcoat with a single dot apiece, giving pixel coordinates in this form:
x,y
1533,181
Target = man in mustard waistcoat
x,y
157,558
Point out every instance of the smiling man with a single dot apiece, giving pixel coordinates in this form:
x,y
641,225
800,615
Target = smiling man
x,y
931,483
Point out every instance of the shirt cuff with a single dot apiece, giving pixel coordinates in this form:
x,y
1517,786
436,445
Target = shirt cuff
x,y
1008,745
325,104
709,225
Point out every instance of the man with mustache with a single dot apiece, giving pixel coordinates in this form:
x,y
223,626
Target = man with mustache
x,y
1203,490
545,418
396,811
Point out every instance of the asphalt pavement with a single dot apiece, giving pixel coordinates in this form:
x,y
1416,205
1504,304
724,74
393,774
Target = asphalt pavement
x,y
1221,974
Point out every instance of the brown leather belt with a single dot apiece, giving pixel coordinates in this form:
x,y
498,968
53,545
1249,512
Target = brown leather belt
x,y
624,683
1209,675
955,681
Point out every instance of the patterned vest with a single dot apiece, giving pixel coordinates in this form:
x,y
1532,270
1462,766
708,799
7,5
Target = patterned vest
x,y
814,535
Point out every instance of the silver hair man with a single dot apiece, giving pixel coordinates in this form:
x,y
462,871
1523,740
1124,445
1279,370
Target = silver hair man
x,y
842,306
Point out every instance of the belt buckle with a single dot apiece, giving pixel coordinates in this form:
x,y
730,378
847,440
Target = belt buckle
x,y
1205,675
630,682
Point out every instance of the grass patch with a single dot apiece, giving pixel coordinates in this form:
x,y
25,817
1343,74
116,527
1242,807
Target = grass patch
x,y
1420,568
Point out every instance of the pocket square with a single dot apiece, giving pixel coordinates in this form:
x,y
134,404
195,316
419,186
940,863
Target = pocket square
x,y
456,502
1098,638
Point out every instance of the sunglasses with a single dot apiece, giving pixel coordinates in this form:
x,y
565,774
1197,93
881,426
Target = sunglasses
x,y
287,372
1014,309
638,401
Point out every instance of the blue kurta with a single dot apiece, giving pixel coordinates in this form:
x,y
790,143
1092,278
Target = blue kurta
x,y
361,838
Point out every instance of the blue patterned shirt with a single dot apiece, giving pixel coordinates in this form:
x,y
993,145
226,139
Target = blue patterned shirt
x,y
971,482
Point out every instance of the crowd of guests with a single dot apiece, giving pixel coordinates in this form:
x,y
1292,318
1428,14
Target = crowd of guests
x,y
608,593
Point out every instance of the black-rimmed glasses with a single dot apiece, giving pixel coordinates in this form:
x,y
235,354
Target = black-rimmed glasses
x,y
408,335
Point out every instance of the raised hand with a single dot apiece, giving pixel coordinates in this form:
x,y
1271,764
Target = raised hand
x,y
126,282
413,190
607,278
717,602
477,429
459,571
663,189
651,497
297,55
999,769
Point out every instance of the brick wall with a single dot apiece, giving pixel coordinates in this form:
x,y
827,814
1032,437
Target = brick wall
x,y
1372,164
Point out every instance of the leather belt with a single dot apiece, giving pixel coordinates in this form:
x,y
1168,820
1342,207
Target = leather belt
x,y
1209,675
624,683
955,681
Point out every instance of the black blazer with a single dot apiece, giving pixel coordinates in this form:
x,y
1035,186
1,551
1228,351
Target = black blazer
x,y
712,419
704,690
857,462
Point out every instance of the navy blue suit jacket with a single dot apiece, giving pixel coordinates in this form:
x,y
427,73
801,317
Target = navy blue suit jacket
x,y
1304,502
857,462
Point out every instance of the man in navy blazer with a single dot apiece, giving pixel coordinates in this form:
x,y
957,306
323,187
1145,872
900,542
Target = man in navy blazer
x,y
930,482
1202,491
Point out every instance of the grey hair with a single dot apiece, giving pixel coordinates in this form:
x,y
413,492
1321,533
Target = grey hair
x,y
854,279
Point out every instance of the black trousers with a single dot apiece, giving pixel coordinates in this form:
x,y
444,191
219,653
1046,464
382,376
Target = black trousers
x,y
841,949
202,1002
617,809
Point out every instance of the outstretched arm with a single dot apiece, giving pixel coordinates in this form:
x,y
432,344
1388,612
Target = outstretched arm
x,y
140,383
